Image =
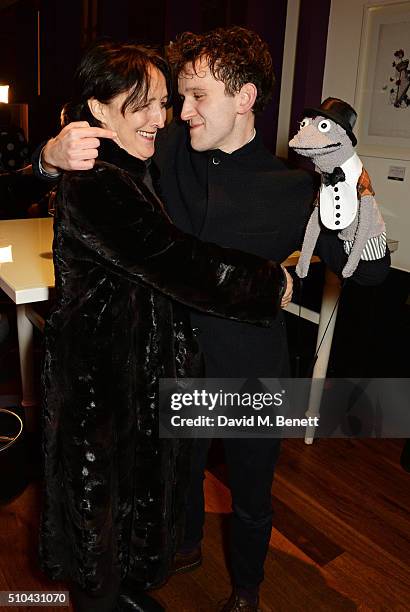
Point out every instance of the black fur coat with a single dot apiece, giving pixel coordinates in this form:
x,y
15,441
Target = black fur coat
x,y
113,490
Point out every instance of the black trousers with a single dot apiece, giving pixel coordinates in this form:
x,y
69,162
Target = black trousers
x,y
251,465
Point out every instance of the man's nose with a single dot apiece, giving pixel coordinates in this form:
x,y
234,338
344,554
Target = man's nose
x,y
187,111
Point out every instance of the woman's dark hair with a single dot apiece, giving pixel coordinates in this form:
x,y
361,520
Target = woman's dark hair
x,y
108,69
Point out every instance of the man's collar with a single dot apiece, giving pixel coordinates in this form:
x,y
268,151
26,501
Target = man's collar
x,y
245,149
250,139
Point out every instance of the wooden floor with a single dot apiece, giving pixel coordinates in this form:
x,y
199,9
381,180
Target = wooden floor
x,y
340,540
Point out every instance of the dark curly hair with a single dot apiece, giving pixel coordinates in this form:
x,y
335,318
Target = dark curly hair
x,y
110,68
235,56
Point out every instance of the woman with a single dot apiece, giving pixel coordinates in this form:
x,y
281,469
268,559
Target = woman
x,y
113,490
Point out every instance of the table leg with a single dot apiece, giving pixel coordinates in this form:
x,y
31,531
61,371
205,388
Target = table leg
x,y
25,340
331,293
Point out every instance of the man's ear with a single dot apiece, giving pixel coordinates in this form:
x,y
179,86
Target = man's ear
x,y
247,97
97,109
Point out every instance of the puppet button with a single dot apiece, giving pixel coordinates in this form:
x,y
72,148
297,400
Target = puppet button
x,y
337,214
216,161
337,222
337,197
337,206
336,189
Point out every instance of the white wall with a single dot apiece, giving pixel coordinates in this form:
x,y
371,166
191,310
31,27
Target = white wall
x,y
342,60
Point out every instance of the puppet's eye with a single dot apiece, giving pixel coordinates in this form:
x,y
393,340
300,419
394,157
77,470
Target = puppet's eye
x,y
304,122
324,126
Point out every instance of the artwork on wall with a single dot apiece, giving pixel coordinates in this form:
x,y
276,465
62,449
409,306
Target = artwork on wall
x,y
398,87
383,83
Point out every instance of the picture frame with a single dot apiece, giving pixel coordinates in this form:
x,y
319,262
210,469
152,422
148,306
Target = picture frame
x,y
382,96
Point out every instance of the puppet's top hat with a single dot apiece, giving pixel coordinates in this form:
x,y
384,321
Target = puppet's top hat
x,y
339,111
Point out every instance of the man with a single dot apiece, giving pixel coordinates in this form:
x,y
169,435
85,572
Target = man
x,y
219,182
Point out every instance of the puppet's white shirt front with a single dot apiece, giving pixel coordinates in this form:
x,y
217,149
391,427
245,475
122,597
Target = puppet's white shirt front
x,y
338,204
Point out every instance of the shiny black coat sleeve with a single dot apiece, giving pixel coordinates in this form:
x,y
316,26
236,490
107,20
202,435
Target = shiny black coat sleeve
x,y
125,228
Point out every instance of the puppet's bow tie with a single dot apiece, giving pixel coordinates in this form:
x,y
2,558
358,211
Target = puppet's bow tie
x,y
331,178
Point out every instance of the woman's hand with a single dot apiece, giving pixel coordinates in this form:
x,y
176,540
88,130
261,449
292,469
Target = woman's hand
x,y
74,148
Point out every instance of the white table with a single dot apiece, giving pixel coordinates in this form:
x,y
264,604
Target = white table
x,y
26,275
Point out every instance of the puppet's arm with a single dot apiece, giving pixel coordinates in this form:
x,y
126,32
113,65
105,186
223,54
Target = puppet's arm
x,y
309,243
363,233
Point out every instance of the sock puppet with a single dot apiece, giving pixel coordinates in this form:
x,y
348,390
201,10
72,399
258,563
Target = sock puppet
x,y
345,201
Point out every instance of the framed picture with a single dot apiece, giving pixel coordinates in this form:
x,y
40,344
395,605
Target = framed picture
x,y
382,96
